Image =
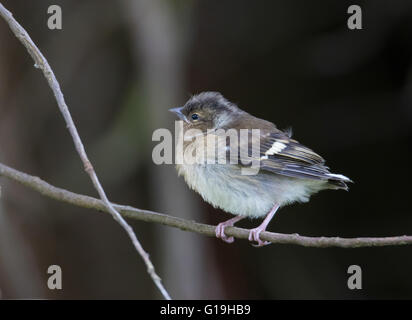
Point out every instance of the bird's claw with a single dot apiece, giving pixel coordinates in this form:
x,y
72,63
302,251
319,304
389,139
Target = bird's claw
x,y
254,235
220,232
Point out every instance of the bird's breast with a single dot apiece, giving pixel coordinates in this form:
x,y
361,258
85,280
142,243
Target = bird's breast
x,y
224,187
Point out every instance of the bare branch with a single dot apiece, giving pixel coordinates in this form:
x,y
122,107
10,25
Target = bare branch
x,y
62,195
41,63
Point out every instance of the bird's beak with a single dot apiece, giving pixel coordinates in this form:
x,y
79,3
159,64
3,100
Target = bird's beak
x,y
178,112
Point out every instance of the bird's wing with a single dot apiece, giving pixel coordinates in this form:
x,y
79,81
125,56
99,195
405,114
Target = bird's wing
x,y
281,154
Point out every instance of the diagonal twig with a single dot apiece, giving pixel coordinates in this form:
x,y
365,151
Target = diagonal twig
x,y
83,201
41,63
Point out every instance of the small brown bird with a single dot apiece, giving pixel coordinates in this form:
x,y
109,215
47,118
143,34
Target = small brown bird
x,y
288,171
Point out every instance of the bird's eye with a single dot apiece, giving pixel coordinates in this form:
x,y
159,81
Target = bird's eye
x,y
195,116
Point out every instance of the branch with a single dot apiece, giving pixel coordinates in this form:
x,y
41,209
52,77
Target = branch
x,y
83,201
41,63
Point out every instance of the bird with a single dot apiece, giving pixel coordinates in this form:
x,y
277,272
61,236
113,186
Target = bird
x,y
288,172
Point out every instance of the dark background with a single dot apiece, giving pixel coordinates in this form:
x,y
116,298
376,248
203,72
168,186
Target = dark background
x,y
121,64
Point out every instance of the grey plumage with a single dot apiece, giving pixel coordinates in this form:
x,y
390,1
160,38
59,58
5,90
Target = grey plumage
x,y
289,171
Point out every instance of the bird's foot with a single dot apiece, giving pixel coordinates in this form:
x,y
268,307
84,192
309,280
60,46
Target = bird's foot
x,y
220,232
220,229
254,235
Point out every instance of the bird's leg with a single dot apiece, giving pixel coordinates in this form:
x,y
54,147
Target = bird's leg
x,y
254,234
220,229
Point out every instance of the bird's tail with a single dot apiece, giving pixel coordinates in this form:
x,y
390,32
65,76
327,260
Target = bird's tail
x,y
338,181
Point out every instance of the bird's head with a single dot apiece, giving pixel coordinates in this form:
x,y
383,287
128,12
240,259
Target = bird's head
x,y
207,110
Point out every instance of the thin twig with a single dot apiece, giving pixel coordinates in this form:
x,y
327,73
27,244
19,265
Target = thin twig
x,y
62,195
41,63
